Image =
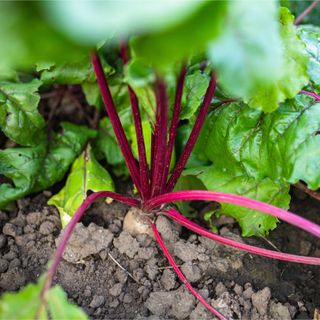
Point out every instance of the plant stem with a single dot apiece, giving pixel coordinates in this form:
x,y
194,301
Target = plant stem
x,y
144,174
173,214
115,121
193,136
174,125
306,12
205,195
311,94
305,189
181,275
71,225
160,137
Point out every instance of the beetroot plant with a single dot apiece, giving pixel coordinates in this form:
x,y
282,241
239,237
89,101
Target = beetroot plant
x,y
155,185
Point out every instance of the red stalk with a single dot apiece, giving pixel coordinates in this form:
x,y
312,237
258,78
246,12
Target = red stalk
x,y
160,137
115,121
238,245
181,275
153,154
204,195
144,174
174,125
71,225
311,94
193,136
306,12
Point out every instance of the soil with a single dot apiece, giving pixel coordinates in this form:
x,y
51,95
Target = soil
x,y
113,275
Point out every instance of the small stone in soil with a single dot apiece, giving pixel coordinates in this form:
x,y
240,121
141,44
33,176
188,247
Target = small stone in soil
x,y
34,218
168,279
278,311
185,251
10,255
121,276
46,228
3,240
177,304
152,269
114,303
146,253
86,241
87,292
97,301
103,255
4,264
200,312
261,299
191,271
28,228
168,230
305,247
238,289
12,280
247,293
116,289
125,243
220,289
10,229
144,240
15,263
127,298
227,305
3,216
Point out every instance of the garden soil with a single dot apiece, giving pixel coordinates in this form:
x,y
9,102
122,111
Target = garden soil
x,y
113,275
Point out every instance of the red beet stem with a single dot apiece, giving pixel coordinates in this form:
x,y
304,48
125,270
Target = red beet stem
x,y
115,121
174,125
193,136
205,195
311,94
144,174
160,137
173,214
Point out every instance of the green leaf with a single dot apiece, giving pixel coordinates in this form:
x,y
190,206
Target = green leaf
x,y
94,21
67,73
259,155
247,54
61,153
86,174
239,182
147,133
22,305
26,304
60,308
188,181
195,87
141,78
27,38
310,35
33,169
294,71
91,91
185,38
19,116
106,145
80,72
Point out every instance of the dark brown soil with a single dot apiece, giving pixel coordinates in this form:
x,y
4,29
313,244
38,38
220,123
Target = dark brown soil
x,y
240,285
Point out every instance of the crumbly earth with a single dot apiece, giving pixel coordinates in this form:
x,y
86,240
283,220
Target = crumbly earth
x,y
240,285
